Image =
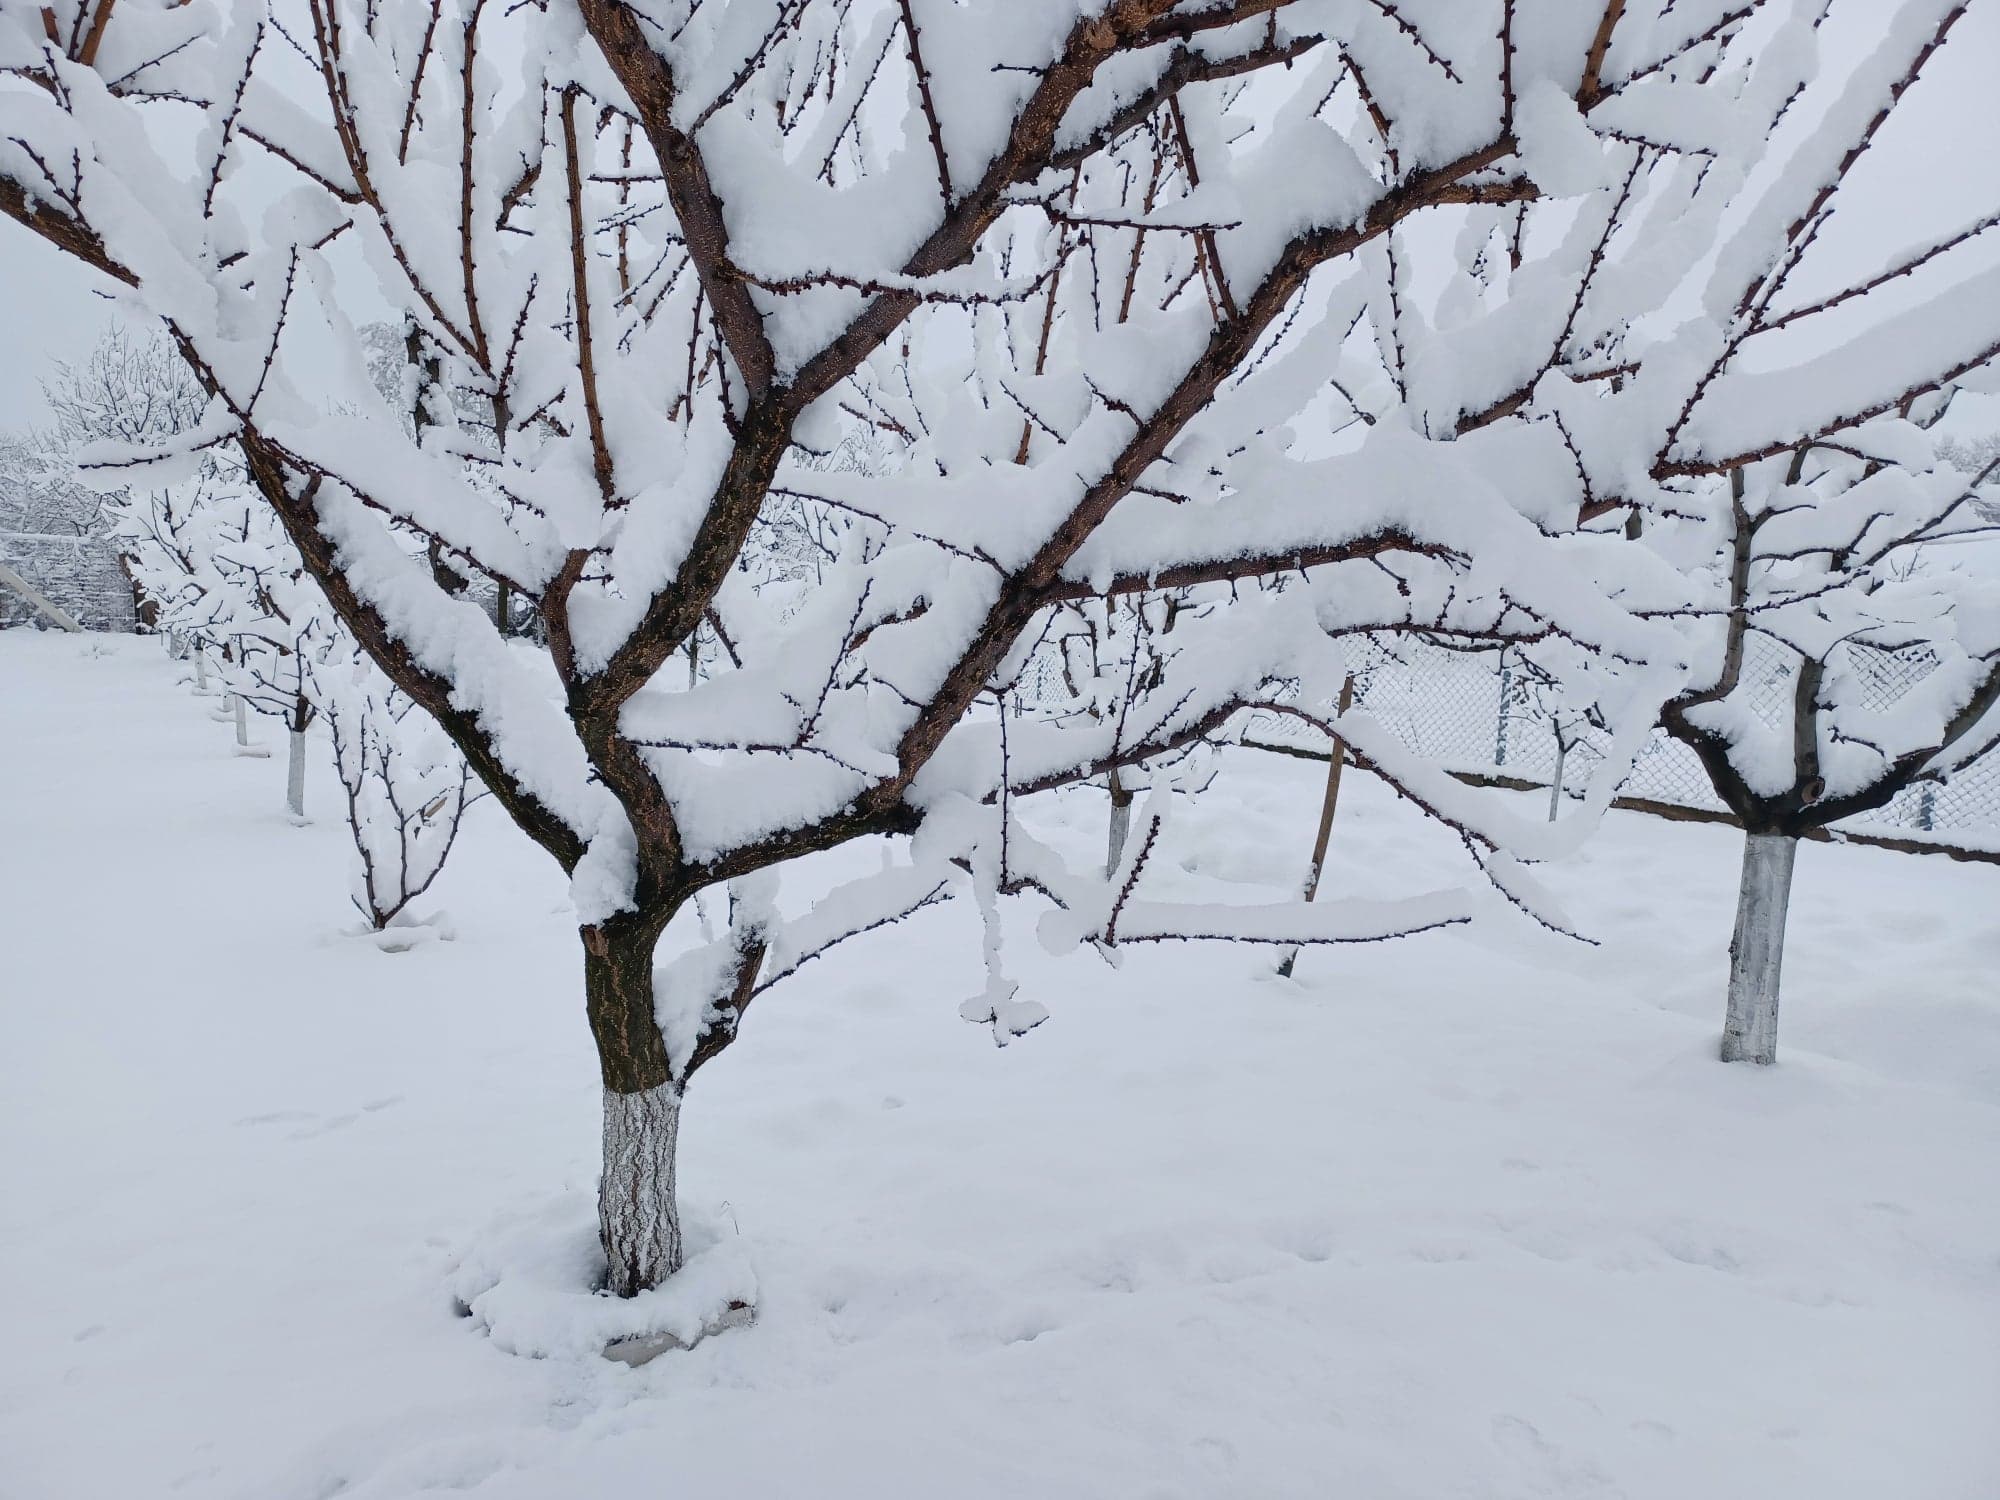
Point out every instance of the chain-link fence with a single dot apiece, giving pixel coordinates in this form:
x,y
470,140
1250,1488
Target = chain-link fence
x,y
1488,714
79,574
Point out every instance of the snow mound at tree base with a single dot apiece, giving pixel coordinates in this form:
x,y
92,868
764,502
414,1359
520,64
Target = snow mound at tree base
x,y
532,1282
406,930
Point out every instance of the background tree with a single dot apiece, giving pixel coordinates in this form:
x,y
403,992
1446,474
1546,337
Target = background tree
x,y
127,389
1802,492
406,786
1858,657
221,575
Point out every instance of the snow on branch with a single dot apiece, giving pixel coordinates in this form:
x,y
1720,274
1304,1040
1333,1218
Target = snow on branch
x,y
1168,343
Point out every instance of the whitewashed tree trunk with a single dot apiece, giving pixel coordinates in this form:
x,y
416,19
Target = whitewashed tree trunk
x,y
1556,781
200,670
638,1214
1757,951
295,775
242,722
1120,826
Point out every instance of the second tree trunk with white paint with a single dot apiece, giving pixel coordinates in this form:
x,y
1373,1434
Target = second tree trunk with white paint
x,y
1120,826
1757,951
295,775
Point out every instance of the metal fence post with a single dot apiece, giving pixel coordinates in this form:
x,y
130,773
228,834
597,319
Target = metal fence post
x,y
1500,728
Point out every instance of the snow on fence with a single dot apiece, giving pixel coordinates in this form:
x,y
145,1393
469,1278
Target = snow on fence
x,y
79,574
1480,714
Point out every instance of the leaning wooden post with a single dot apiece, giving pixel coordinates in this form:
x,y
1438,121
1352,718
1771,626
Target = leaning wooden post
x,y
1562,755
38,600
1336,758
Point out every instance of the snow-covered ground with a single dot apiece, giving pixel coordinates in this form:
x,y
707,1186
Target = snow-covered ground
x,y
1465,1216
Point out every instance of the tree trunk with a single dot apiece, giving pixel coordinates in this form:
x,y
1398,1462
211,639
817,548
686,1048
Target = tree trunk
x,y
295,775
242,722
638,1216
200,670
1121,825
1757,951
295,772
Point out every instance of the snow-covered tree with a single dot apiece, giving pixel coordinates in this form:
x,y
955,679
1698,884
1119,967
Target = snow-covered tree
x,y
1857,654
128,389
39,493
1099,658
1845,641
1978,459
219,573
406,785
1319,309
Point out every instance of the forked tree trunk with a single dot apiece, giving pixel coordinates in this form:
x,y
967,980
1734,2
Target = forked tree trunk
x,y
1757,951
638,1216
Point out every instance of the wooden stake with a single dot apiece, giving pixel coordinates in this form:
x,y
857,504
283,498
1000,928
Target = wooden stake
x,y
1335,760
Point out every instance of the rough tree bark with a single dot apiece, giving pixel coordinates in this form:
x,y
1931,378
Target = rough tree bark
x,y
1757,951
638,1215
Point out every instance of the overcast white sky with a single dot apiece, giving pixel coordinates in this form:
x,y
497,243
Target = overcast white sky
x,y
1936,167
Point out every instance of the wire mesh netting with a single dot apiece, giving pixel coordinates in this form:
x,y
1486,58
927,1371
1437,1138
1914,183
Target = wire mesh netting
x,y
1487,713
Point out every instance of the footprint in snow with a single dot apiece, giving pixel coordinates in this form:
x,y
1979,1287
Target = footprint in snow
x,y
276,1117
311,1124
331,1122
